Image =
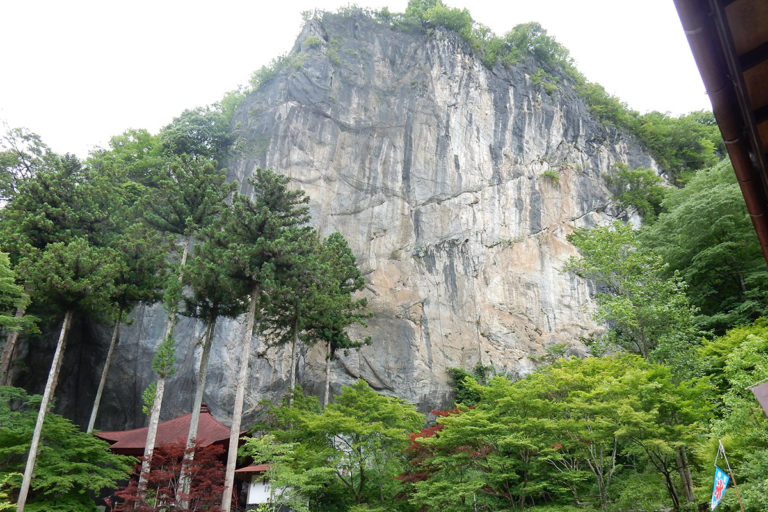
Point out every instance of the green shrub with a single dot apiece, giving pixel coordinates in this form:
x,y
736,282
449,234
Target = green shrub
x,y
549,174
313,42
640,188
544,80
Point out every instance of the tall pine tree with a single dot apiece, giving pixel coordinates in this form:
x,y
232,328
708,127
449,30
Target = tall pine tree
x,y
337,310
58,203
68,277
141,273
211,293
187,198
294,294
260,230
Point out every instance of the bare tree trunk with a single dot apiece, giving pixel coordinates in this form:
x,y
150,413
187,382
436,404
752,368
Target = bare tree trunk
x,y
104,372
8,350
327,375
149,445
50,387
293,358
237,413
154,417
185,477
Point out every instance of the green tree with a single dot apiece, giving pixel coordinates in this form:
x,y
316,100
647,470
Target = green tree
x,y
188,196
210,294
734,362
12,298
344,455
71,466
139,278
294,294
57,229
680,145
22,155
259,230
569,432
5,483
705,234
417,8
59,203
647,312
531,39
438,15
609,109
133,160
199,133
68,277
337,309
640,188
464,393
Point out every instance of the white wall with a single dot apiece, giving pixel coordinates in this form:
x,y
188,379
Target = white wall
x,y
258,491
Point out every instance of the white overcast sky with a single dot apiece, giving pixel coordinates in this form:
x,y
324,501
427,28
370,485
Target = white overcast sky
x,y
78,72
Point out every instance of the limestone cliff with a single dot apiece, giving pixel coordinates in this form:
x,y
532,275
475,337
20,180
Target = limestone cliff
x,y
456,187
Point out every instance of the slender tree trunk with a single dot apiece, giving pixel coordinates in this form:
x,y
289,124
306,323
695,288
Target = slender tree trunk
x,y
685,474
50,387
362,473
237,413
671,490
8,350
149,445
104,372
293,358
327,374
154,417
742,285
185,477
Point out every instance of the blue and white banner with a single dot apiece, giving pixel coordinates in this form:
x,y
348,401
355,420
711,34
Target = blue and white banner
x,y
718,488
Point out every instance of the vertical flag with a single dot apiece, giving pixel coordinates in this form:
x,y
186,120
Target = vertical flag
x,y
718,488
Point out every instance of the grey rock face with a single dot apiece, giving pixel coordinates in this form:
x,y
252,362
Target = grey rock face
x,y
456,187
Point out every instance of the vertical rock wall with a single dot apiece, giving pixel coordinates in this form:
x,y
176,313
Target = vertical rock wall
x,y
456,187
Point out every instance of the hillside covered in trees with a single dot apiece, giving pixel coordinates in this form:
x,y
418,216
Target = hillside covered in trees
x,y
626,417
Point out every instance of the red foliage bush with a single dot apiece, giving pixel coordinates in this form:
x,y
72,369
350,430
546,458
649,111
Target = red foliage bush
x,y
163,480
418,453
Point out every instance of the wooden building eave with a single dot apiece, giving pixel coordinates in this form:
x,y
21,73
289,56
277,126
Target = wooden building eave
x,y
729,41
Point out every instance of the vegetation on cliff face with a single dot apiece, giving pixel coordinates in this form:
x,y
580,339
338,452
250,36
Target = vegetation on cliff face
x,y
680,145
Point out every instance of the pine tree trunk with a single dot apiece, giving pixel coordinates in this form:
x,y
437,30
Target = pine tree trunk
x,y
154,417
293,359
8,350
149,445
50,387
237,413
327,374
185,477
104,372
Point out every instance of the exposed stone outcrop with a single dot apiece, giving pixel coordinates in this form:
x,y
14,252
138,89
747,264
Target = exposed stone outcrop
x,y
456,187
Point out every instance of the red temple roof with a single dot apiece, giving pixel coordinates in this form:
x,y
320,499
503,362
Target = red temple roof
x,y
253,468
131,442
